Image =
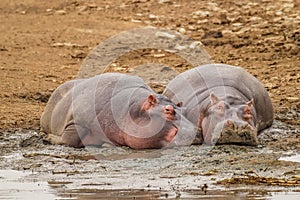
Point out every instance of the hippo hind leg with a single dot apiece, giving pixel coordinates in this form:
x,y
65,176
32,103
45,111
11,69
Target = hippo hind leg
x,y
69,137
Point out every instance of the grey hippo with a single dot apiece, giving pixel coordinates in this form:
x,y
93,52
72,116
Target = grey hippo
x,y
114,108
227,103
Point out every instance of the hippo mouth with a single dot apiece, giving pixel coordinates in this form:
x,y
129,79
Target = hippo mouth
x,y
246,135
171,134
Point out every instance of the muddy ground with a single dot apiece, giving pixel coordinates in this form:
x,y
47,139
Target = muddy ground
x,y
44,43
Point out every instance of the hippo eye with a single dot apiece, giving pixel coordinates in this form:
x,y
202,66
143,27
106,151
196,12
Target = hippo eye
x,y
220,108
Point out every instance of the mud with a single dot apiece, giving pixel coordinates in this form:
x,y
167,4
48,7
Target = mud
x,y
92,172
43,44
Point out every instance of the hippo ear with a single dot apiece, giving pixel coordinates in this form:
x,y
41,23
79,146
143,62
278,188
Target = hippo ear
x,y
250,103
151,99
213,98
179,104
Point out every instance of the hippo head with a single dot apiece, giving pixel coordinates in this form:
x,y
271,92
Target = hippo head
x,y
161,123
229,120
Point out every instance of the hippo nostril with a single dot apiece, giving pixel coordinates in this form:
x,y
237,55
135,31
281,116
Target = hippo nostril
x,y
169,109
229,123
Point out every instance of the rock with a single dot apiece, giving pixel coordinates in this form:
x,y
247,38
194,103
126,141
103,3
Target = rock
x,y
213,34
49,10
216,21
182,30
67,44
227,33
165,1
92,5
213,7
61,12
201,13
135,21
159,55
82,8
79,54
192,28
152,17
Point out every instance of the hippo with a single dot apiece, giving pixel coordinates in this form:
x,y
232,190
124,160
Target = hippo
x,y
114,108
228,104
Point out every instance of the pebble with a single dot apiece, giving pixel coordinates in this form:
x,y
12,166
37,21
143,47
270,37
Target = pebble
x,y
182,30
201,13
165,1
152,17
49,10
82,8
61,12
192,28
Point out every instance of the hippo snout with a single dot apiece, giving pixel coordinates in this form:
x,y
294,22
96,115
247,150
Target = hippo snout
x,y
234,132
239,125
186,134
171,134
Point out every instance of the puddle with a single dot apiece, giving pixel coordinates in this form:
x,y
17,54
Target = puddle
x,y
193,194
294,158
27,185
15,185
32,170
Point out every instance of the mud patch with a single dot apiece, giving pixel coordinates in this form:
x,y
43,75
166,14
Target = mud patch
x,y
164,173
23,185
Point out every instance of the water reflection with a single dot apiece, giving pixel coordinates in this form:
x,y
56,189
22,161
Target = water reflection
x,y
27,185
16,185
293,158
189,194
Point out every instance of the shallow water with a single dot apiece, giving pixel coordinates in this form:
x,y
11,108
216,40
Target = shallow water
x,y
30,169
293,158
24,185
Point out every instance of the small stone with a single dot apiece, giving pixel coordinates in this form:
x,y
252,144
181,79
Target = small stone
x,y
49,10
135,21
182,30
61,12
92,5
152,17
237,24
82,9
201,13
159,55
227,33
202,21
216,21
213,7
79,54
165,1
192,28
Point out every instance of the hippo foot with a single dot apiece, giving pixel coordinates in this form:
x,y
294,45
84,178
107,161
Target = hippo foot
x,y
240,137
